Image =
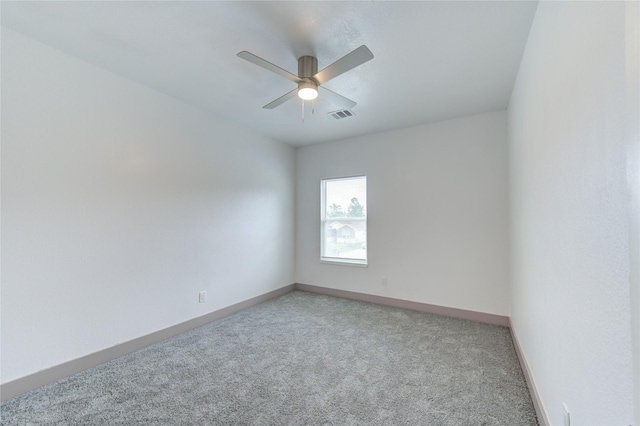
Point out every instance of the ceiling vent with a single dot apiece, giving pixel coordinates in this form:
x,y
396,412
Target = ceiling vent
x,y
342,113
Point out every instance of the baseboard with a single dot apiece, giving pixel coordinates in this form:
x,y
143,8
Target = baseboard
x,y
407,304
528,376
36,380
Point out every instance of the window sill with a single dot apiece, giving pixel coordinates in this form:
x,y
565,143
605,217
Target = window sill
x,y
344,262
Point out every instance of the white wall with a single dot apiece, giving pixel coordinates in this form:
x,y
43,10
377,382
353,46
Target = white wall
x,y
632,133
120,204
437,213
570,211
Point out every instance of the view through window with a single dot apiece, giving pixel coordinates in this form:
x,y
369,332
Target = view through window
x,y
344,220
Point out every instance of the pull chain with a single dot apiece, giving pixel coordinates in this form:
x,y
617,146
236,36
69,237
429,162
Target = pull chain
x,y
303,110
313,106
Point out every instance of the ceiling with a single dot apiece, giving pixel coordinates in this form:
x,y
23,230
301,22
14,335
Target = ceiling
x,y
432,60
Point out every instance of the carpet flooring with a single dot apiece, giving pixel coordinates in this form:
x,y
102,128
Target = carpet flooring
x,y
300,359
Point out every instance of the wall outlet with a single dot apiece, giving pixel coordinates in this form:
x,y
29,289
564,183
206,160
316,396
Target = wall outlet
x,y
567,415
202,296
383,282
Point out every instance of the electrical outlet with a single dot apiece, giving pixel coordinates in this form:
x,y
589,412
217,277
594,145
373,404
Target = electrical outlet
x,y
202,296
383,282
567,415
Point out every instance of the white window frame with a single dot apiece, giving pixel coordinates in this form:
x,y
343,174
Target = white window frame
x,y
323,219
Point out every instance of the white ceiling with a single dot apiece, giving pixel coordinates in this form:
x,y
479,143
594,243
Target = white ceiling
x,y
433,60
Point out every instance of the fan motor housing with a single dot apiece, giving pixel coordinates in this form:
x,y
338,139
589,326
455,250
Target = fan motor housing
x,y
307,66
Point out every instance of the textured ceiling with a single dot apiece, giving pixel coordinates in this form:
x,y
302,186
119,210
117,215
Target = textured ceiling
x,y
433,60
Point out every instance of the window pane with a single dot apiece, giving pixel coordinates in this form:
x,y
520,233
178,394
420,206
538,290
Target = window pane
x,y
344,219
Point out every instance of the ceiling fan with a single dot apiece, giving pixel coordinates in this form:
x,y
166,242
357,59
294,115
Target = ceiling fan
x,y
309,79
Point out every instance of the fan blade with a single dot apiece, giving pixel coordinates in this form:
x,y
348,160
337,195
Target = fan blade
x,y
282,99
351,60
268,65
337,99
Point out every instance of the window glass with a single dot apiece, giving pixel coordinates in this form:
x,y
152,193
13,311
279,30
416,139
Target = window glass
x,y
344,220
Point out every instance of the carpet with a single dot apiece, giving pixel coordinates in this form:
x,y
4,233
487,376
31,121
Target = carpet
x,y
300,359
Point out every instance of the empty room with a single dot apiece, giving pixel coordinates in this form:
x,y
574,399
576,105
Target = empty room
x,y
346,213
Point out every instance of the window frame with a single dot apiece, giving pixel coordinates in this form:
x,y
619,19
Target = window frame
x,y
323,219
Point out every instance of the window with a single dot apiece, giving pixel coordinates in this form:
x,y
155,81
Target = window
x,y
344,220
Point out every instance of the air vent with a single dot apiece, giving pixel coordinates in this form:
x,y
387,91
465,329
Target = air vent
x,y
342,113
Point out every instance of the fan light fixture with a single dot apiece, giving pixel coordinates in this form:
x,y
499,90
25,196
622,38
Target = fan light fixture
x,y
307,90
309,78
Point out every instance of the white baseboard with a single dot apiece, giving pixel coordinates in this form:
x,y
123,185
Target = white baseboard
x,y
33,381
543,419
407,304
